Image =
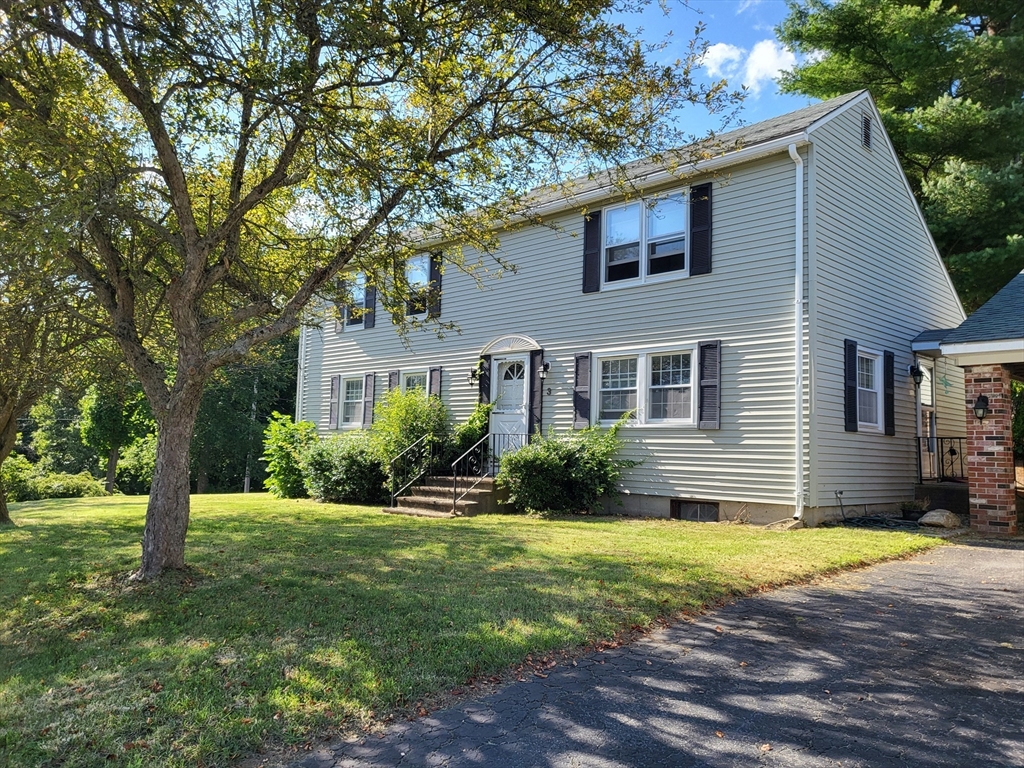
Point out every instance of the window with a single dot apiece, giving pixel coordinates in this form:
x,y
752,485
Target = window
x,y
417,274
352,312
352,402
413,381
670,393
643,241
618,387
868,389
927,385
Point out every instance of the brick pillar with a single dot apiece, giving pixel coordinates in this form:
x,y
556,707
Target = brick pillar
x,y
990,473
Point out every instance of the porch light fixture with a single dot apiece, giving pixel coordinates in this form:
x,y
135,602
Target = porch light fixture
x,y
544,368
916,374
981,407
474,374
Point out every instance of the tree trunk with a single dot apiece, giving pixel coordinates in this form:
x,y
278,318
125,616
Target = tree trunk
x,y
112,458
163,543
5,515
8,435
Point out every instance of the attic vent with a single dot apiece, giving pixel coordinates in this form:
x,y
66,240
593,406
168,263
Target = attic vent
x,y
865,131
694,511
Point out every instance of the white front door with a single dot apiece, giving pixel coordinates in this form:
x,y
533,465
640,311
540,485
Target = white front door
x,y
509,392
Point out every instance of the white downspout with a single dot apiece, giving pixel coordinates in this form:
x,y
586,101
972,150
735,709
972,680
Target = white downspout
x,y
798,315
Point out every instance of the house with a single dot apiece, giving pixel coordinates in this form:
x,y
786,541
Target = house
x,y
756,309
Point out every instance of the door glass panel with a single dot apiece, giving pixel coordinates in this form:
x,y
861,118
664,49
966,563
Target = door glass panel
x,y
511,395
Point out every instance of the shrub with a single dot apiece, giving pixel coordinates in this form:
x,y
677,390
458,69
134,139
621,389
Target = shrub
x,y
470,432
344,468
16,475
283,444
136,465
58,485
402,418
569,472
22,483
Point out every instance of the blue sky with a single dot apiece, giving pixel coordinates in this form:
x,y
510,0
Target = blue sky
x,y
743,50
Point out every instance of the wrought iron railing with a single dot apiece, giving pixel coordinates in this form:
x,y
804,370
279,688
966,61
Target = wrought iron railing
x,y
481,461
941,458
410,465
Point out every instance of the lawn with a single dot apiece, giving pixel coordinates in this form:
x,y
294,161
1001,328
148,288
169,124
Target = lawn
x,y
298,619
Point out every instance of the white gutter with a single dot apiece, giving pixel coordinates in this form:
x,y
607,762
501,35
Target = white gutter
x,y
798,335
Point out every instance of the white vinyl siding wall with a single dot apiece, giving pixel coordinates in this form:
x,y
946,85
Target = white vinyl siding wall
x,y
746,302
877,281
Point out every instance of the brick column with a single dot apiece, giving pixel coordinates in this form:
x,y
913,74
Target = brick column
x,y
990,472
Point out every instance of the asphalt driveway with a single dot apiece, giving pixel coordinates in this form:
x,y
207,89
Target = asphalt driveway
x,y
912,663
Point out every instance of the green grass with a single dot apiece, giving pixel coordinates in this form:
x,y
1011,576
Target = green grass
x,y
298,618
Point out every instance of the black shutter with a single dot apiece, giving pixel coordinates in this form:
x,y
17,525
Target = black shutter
x,y
850,377
339,307
369,382
536,392
710,382
434,287
581,392
700,229
889,399
370,314
434,382
393,380
485,379
332,414
592,252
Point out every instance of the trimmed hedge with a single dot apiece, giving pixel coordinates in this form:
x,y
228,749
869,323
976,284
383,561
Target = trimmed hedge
x,y
344,468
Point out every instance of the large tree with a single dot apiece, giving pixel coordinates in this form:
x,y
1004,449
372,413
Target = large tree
x,y
252,151
949,82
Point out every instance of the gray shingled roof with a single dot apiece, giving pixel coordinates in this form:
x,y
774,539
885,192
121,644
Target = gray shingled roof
x,y
934,335
998,319
748,136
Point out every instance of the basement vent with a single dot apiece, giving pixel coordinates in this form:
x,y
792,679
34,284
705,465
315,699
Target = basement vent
x,y
865,131
694,511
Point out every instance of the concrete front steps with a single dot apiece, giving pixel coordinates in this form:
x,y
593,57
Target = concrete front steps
x,y
433,498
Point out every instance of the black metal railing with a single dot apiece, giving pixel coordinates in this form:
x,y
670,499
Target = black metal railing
x,y
941,458
410,465
481,461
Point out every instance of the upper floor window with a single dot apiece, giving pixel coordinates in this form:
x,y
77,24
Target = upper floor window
x,y
642,241
351,312
417,275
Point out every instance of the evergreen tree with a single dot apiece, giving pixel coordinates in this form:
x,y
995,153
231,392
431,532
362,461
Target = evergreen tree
x,y
948,79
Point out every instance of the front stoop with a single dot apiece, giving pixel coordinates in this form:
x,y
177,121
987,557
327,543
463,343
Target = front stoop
x,y
433,498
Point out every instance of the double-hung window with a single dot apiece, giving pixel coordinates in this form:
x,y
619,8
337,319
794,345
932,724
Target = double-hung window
x,y
643,241
869,390
352,401
657,386
417,275
351,312
414,381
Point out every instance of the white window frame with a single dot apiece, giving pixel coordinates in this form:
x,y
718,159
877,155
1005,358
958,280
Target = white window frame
x,y
876,362
646,208
417,290
644,375
426,380
346,321
357,415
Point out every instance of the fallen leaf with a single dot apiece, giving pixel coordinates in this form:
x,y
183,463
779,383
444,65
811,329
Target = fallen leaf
x,y
719,734
743,663
719,629
766,747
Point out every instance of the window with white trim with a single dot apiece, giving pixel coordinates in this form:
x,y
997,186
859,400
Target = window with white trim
x,y
657,386
417,275
350,313
869,389
643,241
352,401
414,380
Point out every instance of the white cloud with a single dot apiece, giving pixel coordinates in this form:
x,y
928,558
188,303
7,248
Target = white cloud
x,y
721,59
765,61
747,5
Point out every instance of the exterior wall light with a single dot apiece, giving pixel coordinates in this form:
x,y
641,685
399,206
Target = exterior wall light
x,y
916,374
981,407
474,374
544,368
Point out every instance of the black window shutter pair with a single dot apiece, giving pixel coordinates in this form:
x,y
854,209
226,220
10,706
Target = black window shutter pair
x,y
700,239
850,413
334,412
709,388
